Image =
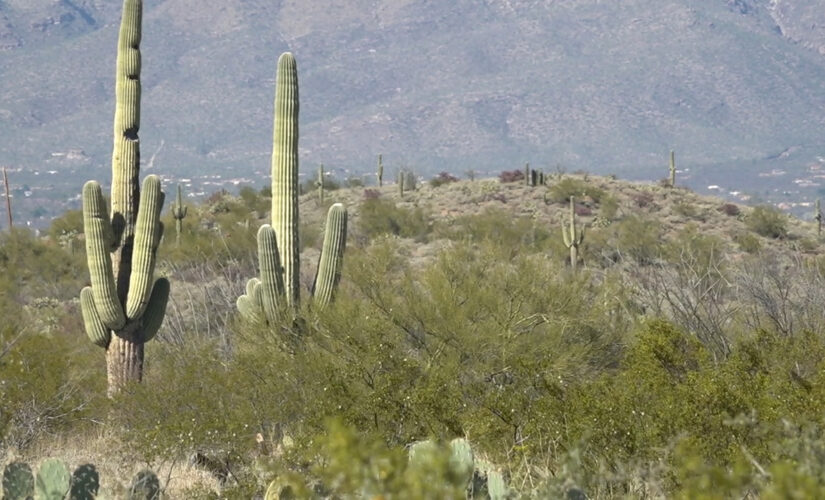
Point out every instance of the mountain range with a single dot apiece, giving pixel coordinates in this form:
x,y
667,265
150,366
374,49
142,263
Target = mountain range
x,y
735,87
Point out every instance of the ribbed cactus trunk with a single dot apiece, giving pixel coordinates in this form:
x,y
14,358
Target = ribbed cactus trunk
x,y
124,308
124,357
285,175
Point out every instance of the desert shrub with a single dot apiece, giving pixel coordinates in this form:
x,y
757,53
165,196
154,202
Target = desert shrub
x,y
608,207
747,242
498,227
561,191
582,210
686,209
371,194
642,199
767,221
443,178
729,209
45,384
511,176
379,217
254,202
634,238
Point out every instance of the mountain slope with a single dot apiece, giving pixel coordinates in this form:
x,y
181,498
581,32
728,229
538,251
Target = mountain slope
x,y
489,84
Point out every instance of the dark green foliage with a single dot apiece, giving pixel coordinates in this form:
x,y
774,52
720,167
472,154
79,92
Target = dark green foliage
x,y
768,221
145,486
563,190
46,386
85,483
18,481
381,217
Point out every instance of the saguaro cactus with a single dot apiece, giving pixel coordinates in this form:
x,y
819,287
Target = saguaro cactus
x,y
380,171
278,246
122,299
179,213
818,218
8,198
672,169
573,237
321,184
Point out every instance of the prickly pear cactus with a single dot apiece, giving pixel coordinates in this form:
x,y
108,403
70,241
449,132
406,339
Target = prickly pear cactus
x,y
85,483
53,480
145,486
18,482
461,459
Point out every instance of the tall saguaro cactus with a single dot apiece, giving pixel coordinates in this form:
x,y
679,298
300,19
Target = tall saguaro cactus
x,y
672,169
8,198
573,237
818,218
123,308
278,248
380,170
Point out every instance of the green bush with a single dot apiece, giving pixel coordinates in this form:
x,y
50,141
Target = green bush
x,y
561,191
378,217
768,221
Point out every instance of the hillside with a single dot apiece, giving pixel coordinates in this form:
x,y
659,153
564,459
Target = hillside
x,y
690,333
735,87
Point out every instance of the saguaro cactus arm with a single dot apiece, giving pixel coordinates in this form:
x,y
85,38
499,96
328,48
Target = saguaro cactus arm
x,y
271,287
332,255
98,232
95,329
147,237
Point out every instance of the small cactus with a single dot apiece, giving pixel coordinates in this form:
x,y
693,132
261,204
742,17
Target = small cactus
x,y
85,483
573,237
672,169
18,481
380,171
480,478
53,480
178,213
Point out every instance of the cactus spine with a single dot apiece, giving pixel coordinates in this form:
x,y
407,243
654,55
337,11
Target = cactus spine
x,y
380,171
672,169
278,247
321,184
178,213
573,237
123,299
8,198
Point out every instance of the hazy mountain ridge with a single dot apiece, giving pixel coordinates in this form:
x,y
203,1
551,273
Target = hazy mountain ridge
x,y
468,84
